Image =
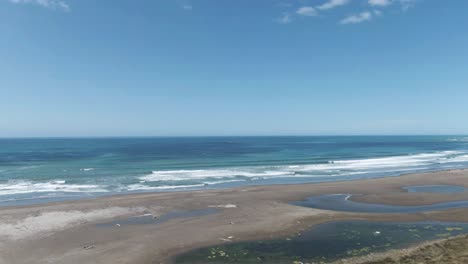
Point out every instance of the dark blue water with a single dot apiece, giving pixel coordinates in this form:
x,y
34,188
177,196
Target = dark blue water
x,y
326,243
35,170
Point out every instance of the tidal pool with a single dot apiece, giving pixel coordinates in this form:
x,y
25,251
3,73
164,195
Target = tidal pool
x,y
341,202
435,188
326,242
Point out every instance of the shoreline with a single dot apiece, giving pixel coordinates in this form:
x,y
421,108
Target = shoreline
x,y
36,196
145,193
66,232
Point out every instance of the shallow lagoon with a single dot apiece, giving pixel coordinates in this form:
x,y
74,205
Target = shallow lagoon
x,y
435,189
326,242
341,202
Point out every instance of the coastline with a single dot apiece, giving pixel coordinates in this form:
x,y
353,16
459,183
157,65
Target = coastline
x,y
66,232
43,171
136,194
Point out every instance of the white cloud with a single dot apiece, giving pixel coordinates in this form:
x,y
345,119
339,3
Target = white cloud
x,y
306,11
376,9
187,7
332,4
284,19
380,2
355,19
406,4
52,4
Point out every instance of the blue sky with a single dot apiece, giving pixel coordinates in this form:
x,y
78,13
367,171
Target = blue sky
x,y
223,67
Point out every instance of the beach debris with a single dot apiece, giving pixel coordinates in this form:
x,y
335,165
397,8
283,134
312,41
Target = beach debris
x,y
231,223
87,247
377,233
145,215
227,206
216,252
226,239
230,237
450,229
117,225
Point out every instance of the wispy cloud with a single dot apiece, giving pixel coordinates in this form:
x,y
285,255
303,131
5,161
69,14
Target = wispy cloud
x,y
52,4
406,4
376,8
307,11
332,4
187,7
284,19
358,18
380,2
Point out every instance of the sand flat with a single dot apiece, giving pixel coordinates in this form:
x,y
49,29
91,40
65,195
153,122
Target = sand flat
x,y
68,232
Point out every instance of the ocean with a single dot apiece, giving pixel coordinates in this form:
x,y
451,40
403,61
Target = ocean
x,y
44,170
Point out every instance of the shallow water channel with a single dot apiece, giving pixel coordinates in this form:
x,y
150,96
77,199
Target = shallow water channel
x,y
326,242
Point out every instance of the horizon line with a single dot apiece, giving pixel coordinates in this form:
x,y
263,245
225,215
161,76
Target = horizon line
x,y
208,136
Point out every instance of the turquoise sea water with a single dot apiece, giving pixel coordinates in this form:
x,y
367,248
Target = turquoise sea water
x,y
37,170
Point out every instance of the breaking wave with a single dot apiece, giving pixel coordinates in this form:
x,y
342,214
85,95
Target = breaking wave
x,y
24,187
337,168
214,177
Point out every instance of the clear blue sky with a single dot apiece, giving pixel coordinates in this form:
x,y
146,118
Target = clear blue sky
x,y
223,67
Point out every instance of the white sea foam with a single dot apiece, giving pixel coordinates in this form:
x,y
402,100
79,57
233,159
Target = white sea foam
x,y
186,179
461,158
142,187
177,175
459,139
59,181
221,181
335,168
24,187
396,162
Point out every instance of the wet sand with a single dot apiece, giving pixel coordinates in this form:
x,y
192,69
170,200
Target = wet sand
x,y
72,232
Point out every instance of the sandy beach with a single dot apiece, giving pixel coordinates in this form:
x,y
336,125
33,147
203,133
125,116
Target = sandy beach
x,y
84,231
252,132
